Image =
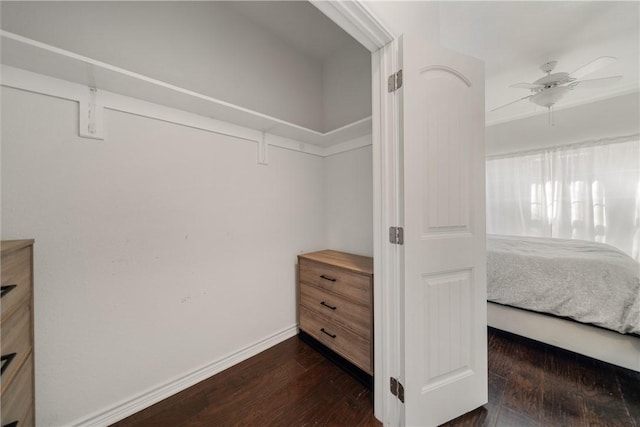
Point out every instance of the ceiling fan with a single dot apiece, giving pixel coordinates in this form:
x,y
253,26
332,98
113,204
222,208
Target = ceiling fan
x,y
548,90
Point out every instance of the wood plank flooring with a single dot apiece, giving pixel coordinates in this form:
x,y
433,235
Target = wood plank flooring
x,y
290,384
533,384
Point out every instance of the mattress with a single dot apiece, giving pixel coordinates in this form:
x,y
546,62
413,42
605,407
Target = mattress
x,y
585,281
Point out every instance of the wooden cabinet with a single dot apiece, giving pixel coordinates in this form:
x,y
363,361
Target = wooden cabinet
x,y
336,303
16,329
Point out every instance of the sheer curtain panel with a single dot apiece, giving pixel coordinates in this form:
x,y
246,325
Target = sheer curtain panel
x,y
585,191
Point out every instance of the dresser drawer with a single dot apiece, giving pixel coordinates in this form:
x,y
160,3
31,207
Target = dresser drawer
x,y
354,286
17,400
16,279
338,309
351,346
16,341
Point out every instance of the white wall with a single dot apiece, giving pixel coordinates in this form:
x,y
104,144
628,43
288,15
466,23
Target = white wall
x,y
159,250
202,46
607,118
348,201
420,18
346,77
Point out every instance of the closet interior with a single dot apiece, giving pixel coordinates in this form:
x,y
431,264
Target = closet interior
x,y
171,160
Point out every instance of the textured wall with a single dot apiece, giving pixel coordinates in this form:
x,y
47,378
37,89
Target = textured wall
x,y
159,250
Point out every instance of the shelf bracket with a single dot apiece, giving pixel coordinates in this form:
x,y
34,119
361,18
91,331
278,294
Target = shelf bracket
x,y
91,123
263,150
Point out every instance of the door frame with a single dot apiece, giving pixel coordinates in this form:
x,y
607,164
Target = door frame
x,y
359,22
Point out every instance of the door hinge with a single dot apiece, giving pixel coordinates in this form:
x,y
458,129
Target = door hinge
x,y
397,389
394,82
396,235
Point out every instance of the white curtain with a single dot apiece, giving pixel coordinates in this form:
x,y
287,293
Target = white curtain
x,y
586,191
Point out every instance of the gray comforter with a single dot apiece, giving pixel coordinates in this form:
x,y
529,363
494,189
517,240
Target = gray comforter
x,y
586,281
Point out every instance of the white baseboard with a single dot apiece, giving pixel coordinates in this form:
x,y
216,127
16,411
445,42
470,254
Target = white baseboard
x,y
145,399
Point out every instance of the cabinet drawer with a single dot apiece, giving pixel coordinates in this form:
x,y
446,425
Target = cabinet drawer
x,y
340,310
356,287
16,341
16,279
349,345
17,400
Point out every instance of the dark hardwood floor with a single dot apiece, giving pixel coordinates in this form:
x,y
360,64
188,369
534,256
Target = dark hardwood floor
x,y
533,384
290,384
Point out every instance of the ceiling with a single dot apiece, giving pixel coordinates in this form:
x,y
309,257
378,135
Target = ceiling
x,y
298,23
513,38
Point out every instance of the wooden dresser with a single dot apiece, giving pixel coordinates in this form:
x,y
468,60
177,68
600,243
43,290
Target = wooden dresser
x,y
16,314
336,303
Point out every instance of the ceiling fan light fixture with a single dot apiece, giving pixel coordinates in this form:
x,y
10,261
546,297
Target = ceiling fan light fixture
x,y
550,96
549,89
553,79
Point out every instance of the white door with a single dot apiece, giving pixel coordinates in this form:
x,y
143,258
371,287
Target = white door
x,y
442,138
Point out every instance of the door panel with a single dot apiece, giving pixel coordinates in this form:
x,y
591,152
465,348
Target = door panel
x,y
445,350
445,177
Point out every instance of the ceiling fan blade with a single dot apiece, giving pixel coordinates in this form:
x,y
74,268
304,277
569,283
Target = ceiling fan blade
x,y
595,83
593,66
526,86
512,102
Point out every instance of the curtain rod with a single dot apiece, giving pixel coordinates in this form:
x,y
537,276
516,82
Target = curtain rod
x,y
588,143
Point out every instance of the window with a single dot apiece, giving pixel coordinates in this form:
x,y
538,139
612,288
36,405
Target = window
x,y
587,192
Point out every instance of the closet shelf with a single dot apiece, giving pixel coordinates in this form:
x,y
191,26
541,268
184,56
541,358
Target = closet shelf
x,y
30,55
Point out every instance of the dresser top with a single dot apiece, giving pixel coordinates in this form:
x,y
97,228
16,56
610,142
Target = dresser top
x,y
357,263
14,245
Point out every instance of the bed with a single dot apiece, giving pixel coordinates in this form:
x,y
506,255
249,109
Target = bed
x,y
578,295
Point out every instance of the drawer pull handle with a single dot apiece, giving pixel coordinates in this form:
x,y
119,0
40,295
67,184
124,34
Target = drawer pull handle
x,y
328,306
6,361
331,279
325,332
6,289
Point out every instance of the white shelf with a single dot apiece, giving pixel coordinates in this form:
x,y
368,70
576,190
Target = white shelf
x,y
36,57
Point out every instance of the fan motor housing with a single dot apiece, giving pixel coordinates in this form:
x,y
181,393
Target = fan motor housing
x,y
553,80
548,67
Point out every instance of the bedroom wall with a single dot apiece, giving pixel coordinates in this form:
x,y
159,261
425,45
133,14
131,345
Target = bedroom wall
x,y
348,201
613,117
159,250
